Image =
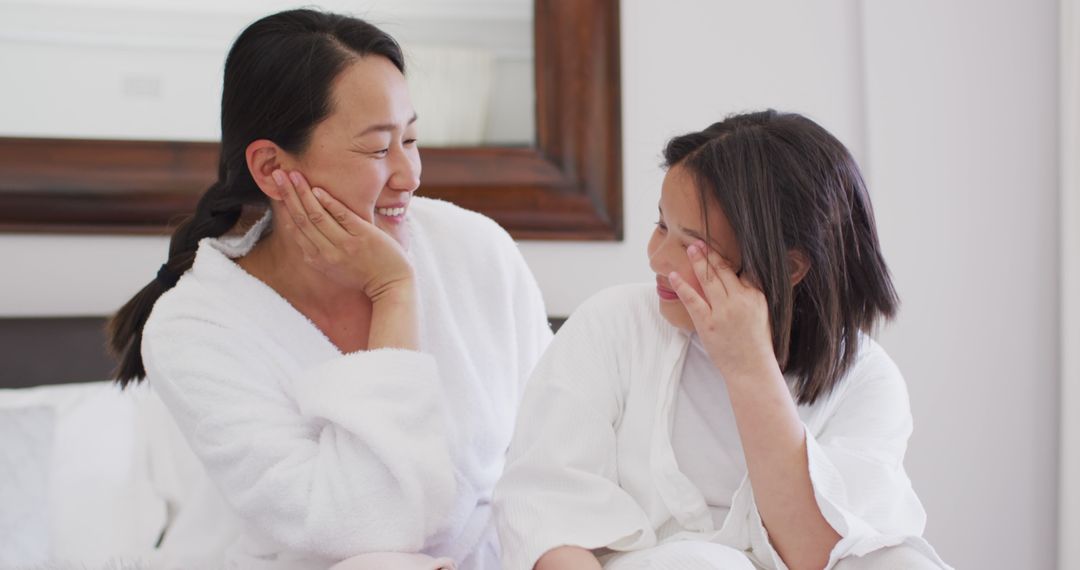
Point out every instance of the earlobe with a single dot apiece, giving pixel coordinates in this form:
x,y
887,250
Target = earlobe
x,y
799,265
263,158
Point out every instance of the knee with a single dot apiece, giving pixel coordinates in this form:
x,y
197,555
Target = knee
x,y
901,557
679,555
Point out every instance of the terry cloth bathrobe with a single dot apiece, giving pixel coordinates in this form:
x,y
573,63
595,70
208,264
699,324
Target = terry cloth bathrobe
x,y
319,456
592,461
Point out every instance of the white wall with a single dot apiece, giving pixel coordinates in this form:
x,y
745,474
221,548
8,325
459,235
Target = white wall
x,y
951,108
1069,446
962,109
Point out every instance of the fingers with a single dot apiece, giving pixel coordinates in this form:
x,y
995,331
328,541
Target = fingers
x,y
317,215
310,249
720,269
346,218
697,306
299,215
708,274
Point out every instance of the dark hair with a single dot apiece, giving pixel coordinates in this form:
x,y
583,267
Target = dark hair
x,y
784,184
277,86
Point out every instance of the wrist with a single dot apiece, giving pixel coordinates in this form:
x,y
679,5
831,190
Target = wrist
x,y
400,292
752,367
395,318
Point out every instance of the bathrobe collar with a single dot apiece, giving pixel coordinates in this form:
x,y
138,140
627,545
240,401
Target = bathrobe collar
x,y
215,269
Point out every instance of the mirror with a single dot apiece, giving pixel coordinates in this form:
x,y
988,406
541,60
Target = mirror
x,y
111,69
559,177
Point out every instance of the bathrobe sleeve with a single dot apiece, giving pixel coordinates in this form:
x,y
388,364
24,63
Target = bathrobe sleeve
x,y
349,457
856,467
560,485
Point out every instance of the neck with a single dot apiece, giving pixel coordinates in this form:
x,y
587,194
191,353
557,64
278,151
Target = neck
x,y
278,262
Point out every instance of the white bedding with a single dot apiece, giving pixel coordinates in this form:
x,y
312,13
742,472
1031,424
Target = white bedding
x,y
85,491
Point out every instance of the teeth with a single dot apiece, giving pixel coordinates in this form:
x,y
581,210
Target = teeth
x,y
390,211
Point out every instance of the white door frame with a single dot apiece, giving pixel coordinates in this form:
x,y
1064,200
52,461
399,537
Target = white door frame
x,y
1069,349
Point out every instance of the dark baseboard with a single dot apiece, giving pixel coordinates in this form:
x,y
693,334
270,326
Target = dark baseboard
x,y
62,350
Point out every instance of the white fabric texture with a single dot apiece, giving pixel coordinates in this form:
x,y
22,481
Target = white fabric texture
x,y
680,555
592,463
97,464
322,456
704,435
26,437
395,560
900,557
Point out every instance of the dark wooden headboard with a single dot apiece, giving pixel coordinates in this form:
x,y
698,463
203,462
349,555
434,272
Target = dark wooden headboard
x,y
63,350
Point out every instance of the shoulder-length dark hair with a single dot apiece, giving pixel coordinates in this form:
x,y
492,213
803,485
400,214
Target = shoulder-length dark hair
x,y
784,183
277,86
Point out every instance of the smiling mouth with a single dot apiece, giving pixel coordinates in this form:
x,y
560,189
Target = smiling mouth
x,y
391,212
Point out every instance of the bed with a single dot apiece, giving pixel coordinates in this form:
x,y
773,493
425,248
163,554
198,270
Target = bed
x,y
92,474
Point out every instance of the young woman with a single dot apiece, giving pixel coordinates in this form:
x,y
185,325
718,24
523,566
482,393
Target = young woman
x,y
735,414
348,367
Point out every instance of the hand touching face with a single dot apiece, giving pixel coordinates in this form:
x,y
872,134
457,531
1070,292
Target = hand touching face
x,y
682,222
365,154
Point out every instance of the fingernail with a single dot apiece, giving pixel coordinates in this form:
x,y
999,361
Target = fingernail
x,y
317,192
279,177
295,176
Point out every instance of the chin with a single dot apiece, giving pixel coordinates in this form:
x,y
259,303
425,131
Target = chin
x,y
401,236
676,314
397,233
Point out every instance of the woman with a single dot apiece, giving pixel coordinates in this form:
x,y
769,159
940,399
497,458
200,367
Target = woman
x,y
735,414
348,367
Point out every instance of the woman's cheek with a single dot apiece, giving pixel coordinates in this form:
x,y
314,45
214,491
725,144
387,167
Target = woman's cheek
x,y
687,273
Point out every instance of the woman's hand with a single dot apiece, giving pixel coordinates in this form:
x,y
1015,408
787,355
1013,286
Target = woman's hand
x,y
732,318
345,247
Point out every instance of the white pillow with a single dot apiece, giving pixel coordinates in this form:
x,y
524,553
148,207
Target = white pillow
x,y
26,436
101,504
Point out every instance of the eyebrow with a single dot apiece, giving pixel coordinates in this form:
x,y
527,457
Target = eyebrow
x,y
381,127
692,233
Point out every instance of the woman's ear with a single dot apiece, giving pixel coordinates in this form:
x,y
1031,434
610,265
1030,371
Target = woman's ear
x,y
263,158
798,264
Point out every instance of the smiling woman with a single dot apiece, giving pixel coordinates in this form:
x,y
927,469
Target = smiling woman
x,y
344,358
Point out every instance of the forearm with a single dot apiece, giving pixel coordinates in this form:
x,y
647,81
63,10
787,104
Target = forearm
x,y
774,443
395,321
568,558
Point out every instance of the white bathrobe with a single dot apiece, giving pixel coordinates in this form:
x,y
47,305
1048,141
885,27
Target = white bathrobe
x,y
320,455
592,464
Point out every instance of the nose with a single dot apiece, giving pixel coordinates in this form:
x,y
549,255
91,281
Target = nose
x,y
405,174
660,256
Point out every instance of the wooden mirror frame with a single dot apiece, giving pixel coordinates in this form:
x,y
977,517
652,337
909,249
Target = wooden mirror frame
x,y
567,187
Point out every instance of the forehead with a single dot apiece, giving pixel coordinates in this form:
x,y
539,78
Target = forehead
x,y
680,202
679,198
371,90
